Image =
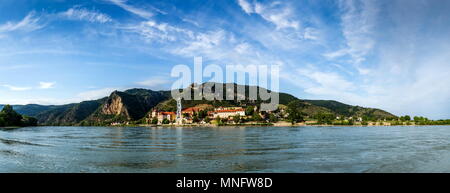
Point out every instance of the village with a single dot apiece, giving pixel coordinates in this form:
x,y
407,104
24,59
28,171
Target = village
x,y
250,115
205,114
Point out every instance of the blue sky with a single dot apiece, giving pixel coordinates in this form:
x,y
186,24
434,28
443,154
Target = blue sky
x,y
391,54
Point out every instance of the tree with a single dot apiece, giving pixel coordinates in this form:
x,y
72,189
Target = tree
x,y
249,110
10,117
237,119
405,118
273,118
218,120
202,114
326,118
154,121
2,122
165,121
29,121
207,119
294,111
256,117
195,119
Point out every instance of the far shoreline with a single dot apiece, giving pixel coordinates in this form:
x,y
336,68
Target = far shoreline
x,y
227,125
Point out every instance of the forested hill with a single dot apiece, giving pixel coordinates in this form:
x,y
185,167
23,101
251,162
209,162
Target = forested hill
x,y
134,104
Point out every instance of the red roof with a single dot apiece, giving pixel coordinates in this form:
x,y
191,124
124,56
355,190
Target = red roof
x,y
167,113
191,109
228,110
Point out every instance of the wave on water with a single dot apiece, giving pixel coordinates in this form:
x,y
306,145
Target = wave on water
x,y
16,142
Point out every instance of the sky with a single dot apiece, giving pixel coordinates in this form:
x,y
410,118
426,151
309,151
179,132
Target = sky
x,y
388,54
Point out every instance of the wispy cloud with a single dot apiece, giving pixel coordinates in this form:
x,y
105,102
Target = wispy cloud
x,y
153,31
83,14
16,88
29,23
46,85
137,11
95,94
277,13
246,6
154,82
358,20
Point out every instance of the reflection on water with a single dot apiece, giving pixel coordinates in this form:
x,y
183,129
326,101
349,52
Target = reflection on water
x,y
226,149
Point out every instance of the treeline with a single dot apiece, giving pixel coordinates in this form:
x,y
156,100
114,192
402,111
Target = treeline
x,y
10,118
295,115
419,120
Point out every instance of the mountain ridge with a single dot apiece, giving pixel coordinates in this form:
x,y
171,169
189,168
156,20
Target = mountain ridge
x,y
135,104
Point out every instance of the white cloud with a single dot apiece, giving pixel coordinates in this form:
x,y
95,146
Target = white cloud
x,y
95,94
282,16
82,96
86,15
154,82
46,85
358,22
137,11
16,88
325,82
160,32
311,34
28,23
336,54
204,44
242,48
246,6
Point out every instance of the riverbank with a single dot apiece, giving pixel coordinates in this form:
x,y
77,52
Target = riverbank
x,y
277,124
9,128
256,124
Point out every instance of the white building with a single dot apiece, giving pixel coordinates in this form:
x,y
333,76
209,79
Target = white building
x,y
228,112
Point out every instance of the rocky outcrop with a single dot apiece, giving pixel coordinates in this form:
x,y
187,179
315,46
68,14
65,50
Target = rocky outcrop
x,y
114,106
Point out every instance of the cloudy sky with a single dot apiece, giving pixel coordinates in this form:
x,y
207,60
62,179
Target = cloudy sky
x,y
391,54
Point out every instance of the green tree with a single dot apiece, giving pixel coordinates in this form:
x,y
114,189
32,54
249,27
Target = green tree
x,y
10,117
218,120
202,114
326,118
405,118
273,118
2,122
237,119
29,121
195,119
154,121
165,121
294,111
256,117
207,119
249,110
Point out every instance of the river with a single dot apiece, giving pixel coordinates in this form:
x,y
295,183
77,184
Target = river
x,y
226,149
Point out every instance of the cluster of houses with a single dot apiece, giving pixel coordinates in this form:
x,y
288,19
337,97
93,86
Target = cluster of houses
x,y
188,114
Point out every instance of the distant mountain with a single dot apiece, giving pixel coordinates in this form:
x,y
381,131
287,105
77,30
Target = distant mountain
x,y
134,104
31,109
69,114
349,110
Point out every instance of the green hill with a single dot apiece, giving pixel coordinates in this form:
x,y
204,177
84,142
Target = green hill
x,y
134,104
349,110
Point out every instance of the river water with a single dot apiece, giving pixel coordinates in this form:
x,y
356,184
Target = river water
x,y
226,149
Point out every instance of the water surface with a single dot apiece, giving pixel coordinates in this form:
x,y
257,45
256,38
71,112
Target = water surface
x,y
226,149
